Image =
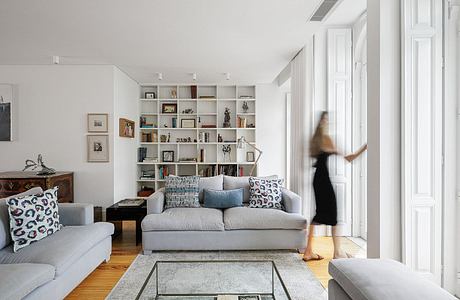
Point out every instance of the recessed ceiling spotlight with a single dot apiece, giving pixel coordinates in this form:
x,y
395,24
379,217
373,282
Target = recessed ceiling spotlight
x,y
56,60
160,76
227,76
194,76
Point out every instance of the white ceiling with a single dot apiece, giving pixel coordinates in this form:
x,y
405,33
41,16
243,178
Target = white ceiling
x,y
252,39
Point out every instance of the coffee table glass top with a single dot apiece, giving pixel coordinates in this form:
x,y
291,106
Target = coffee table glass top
x,y
214,280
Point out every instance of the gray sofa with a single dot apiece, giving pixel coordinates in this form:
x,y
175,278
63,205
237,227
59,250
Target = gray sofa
x,y
379,279
52,267
238,228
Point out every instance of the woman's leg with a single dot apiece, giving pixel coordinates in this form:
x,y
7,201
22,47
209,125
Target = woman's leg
x,y
309,255
336,238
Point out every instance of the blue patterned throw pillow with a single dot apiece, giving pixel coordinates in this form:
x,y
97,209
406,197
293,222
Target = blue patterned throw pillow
x,y
182,191
33,218
265,193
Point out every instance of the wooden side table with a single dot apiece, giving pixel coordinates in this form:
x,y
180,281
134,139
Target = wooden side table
x,y
117,213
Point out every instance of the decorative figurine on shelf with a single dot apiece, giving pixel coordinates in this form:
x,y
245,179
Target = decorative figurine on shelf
x,y
187,111
173,94
219,138
163,138
169,137
245,107
226,149
44,169
227,118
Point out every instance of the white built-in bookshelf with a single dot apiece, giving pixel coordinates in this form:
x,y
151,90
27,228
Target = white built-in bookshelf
x,y
185,124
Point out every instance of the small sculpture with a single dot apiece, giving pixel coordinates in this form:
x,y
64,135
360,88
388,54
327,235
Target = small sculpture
x,y
44,169
226,149
245,107
169,137
227,118
219,138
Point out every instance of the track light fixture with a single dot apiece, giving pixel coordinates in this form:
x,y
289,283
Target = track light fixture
x,y
194,76
56,60
160,76
227,76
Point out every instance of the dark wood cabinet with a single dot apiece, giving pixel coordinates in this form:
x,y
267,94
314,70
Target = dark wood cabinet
x,y
12,183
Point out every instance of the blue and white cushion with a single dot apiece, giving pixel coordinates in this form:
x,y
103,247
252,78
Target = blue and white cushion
x,y
182,191
33,218
265,193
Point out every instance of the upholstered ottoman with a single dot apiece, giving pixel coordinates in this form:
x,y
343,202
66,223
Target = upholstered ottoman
x,y
379,279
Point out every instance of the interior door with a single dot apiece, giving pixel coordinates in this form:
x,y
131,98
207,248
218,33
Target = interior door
x,y
339,75
422,136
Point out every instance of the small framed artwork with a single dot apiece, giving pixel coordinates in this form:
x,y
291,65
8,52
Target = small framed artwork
x,y
126,128
168,156
250,157
187,123
150,95
6,112
98,148
98,122
169,108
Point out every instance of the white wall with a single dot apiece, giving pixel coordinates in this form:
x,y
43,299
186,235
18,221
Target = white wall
x,y
271,129
126,99
53,102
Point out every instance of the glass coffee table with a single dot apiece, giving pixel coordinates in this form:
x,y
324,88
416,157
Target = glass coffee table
x,y
214,280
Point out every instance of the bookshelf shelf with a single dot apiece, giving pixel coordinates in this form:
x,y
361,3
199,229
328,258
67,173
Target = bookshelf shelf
x,y
205,145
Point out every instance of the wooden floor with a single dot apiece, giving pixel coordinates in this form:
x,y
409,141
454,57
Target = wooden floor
x,y
124,251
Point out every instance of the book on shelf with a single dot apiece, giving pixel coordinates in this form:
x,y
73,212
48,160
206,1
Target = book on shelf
x,y
163,171
246,97
141,154
229,170
242,122
134,202
207,97
207,171
208,126
150,160
174,122
202,155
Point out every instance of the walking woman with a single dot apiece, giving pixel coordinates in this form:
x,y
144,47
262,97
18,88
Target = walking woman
x,y
321,147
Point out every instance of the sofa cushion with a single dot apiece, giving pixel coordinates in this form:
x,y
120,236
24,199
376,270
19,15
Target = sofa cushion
x,y
182,191
19,280
61,249
383,279
262,218
232,183
185,219
265,193
223,199
33,217
215,183
5,235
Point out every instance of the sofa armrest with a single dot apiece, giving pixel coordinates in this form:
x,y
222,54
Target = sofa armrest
x,y
156,202
75,214
292,202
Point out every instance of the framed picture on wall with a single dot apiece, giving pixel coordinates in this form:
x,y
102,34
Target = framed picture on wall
x,y
250,157
6,113
98,122
126,128
98,148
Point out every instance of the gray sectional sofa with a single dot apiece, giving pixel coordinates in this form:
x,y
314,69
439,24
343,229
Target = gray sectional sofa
x,y
52,267
238,228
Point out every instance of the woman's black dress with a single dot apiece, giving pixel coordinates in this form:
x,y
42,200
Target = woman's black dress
x,y
326,202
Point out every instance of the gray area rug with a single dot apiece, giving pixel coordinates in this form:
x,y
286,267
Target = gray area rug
x,y
297,277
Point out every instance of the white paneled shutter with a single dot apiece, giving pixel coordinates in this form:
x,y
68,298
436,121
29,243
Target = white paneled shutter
x,y
339,76
422,136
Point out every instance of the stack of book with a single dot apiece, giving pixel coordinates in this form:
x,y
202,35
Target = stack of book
x,y
148,175
150,159
131,202
207,171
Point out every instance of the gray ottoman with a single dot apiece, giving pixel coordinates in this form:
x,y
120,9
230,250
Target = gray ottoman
x,y
379,279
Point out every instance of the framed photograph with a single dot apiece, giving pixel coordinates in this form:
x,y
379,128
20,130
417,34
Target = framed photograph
x,y
150,95
126,128
187,123
169,108
250,156
98,122
6,113
168,156
98,148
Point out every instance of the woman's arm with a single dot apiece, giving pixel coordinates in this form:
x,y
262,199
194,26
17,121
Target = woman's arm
x,y
353,156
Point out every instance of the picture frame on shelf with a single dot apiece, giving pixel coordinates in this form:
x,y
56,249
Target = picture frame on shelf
x,y
98,122
250,156
188,123
167,155
169,108
98,148
149,95
126,128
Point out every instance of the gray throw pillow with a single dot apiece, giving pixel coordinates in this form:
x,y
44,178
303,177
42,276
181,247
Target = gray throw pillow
x,y
211,183
182,191
265,193
33,217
